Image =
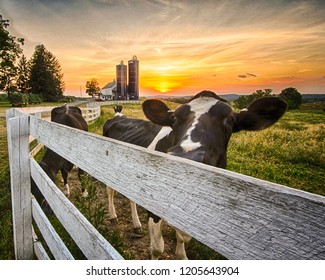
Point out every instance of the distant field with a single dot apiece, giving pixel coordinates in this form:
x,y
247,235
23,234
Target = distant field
x,y
289,153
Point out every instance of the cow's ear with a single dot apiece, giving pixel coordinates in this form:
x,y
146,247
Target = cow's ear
x,y
75,110
55,111
158,112
260,114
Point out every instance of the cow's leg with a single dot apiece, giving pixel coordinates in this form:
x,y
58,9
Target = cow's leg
x,y
111,207
156,239
66,188
84,192
135,218
182,238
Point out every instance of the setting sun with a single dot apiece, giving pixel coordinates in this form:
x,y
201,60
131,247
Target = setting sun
x,y
162,78
163,87
160,84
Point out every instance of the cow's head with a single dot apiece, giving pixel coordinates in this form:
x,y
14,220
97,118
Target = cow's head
x,y
70,116
202,127
118,108
64,109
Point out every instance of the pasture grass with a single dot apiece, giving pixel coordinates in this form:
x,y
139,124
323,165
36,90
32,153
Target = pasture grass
x,y
6,230
130,110
5,105
289,153
94,211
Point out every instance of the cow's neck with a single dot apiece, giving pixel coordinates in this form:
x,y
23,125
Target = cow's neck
x,y
164,140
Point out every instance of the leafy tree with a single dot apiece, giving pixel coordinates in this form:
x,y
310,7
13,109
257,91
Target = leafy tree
x,y
10,51
92,87
292,96
46,76
244,100
23,75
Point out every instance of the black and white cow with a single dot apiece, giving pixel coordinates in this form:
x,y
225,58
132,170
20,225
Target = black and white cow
x,y
51,162
199,130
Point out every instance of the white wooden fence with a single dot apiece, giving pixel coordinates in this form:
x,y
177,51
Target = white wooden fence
x,y
90,113
113,102
239,216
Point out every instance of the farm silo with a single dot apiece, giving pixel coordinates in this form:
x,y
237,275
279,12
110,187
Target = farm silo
x,y
133,78
121,81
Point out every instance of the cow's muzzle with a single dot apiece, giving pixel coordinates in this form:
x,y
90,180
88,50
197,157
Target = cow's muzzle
x,y
196,155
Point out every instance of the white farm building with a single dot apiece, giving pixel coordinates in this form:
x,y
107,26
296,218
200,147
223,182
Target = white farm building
x,y
109,91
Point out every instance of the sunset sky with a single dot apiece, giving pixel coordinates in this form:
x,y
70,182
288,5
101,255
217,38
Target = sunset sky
x,y
184,47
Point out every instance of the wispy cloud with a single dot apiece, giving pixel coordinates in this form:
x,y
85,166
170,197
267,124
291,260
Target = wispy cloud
x,y
247,75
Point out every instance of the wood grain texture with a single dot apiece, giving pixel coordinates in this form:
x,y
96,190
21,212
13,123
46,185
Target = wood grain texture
x,y
239,216
88,239
112,102
37,148
89,113
39,250
18,149
53,240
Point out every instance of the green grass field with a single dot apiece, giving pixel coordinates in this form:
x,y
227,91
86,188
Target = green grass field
x,y
6,244
289,153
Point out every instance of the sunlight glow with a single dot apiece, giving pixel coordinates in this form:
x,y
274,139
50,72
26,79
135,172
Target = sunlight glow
x,y
163,86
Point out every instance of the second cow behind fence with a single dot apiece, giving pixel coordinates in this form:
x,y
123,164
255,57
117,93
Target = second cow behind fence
x,y
51,162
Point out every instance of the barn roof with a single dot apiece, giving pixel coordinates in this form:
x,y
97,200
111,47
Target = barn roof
x,y
110,85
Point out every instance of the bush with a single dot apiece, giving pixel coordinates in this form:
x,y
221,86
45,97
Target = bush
x,y
293,97
18,99
244,100
34,98
3,97
67,99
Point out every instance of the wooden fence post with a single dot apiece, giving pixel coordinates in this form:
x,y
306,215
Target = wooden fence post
x,y
18,148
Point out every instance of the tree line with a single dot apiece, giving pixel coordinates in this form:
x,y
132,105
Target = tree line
x,y
40,78
291,95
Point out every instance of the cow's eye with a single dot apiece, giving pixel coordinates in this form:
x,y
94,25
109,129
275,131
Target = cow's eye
x,y
182,112
229,121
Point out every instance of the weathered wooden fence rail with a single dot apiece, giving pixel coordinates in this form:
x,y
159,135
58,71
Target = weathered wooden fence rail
x,y
90,113
239,216
113,102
